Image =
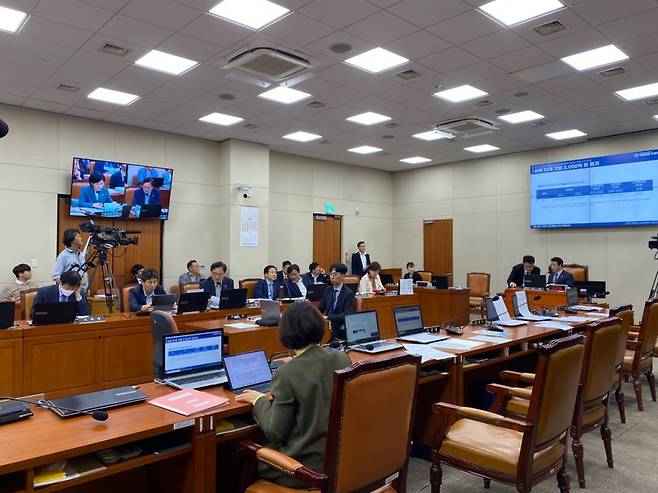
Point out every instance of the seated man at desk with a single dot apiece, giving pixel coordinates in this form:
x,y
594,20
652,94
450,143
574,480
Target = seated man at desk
x,y
295,286
558,275
519,271
295,422
23,273
338,301
69,289
370,282
193,274
141,297
283,273
267,288
146,194
411,273
95,194
217,280
315,275
136,270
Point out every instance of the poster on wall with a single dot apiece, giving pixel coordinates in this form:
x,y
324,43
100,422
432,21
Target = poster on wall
x,y
248,226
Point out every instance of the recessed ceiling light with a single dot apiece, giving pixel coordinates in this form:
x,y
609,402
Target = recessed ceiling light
x,y
595,58
566,134
510,12
368,118
365,149
301,136
165,62
640,92
376,60
415,160
433,135
255,14
221,119
461,93
284,95
481,148
521,117
656,117
112,96
11,20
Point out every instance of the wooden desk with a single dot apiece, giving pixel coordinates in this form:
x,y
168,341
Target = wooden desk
x,y
548,299
443,305
11,362
384,305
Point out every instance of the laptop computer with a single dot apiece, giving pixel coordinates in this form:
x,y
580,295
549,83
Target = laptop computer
x,y
409,324
54,313
149,210
164,302
95,401
248,371
440,282
270,313
534,281
7,314
497,313
193,360
315,292
386,279
362,333
231,299
193,302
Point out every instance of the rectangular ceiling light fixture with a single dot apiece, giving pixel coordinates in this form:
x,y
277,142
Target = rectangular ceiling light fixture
x,y
512,12
254,14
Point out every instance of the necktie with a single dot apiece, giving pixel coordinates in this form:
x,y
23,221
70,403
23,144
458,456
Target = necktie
x,y
334,300
98,196
218,289
269,290
62,298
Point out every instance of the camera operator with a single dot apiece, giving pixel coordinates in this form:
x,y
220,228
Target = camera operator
x,y
71,258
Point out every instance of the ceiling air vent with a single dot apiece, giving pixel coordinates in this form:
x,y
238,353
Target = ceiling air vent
x,y
268,63
471,126
115,50
392,125
612,72
316,104
548,28
408,74
652,102
67,87
483,103
250,126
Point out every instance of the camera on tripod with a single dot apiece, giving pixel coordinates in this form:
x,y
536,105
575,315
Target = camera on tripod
x,y
653,243
106,238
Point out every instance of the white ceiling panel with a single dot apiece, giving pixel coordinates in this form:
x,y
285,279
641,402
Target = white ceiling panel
x,y
522,59
55,32
577,42
600,11
135,31
495,44
338,13
73,13
381,28
477,72
41,50
417,45
448,60
163,13
214,30
641,24
424,13
465,27
113,5
189,47
299,29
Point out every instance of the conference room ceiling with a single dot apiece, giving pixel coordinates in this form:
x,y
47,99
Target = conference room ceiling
x,y
449,43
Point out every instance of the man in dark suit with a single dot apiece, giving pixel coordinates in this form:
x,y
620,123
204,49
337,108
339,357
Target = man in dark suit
x,y
69,289
267,288
141,297
295,286
338,301
315,275
558,275
281,275
146,194
217,282
360,260
519,271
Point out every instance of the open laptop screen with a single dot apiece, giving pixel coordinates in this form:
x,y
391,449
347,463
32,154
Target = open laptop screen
x,y
361,327
408,320
247,369
192,352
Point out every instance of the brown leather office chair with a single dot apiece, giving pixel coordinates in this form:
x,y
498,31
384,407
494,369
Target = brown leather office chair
x,y
521,453
125,297
249,285
579,272
358,303
76,188
129,195
425,275
184,288
479,283
175,290
356,421
625,313
27,296
638,358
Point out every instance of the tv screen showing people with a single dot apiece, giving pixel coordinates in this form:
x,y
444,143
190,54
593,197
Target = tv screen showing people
x,y
111,189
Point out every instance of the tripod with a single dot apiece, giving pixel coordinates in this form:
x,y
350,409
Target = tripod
x,y
654,287
100,256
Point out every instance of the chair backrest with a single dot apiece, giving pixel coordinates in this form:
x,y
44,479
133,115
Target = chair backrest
x,y
351,280
175,289
648,328
358,303
625,313
372,412
396,272
27,300
162,323
554,392
425,275
129,194
282,292
184,288
76,188
602,341
579,272
125,297
249,285
478,282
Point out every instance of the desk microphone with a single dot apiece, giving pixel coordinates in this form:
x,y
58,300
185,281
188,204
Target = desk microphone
x,y
98,415
545,311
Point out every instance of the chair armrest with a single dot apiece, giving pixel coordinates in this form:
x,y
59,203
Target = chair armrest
x,y
517,377
494,388
632,345
632,335
481,416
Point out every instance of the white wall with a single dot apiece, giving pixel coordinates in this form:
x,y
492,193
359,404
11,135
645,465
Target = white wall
x,y
300,186
488,200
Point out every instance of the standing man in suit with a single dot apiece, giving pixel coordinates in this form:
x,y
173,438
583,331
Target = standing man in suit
x,y
295,286
141,297
338,301
267,288
558,275
519,271
69,289
95,194
281,275
315,275
360,260
217,280
146,194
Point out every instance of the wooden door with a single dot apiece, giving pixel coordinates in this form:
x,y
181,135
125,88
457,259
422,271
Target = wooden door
x,y
437,246
326,239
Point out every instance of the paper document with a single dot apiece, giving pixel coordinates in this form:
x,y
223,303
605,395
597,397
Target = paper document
x,y
188,401
501,309
553,325
214,302
406,286
573,320
491,333
457,344
426,352
587,308
509,323
241,325
597,315
494,340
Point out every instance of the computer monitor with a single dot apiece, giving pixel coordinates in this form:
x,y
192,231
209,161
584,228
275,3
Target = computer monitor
x,y
534,281
361,327
572,296
386,279
408,320
193,302
590,289
315,292
7,314
54,313
192,352
440,282
246,370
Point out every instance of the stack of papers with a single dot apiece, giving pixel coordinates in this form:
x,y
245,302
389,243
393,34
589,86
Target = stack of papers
x,y
510,323
493,340
189,401
492,333
572,320
457,344
553,324
427,353
587,308
241,325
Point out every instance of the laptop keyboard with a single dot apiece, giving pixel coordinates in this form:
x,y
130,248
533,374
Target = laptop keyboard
x,y
199,378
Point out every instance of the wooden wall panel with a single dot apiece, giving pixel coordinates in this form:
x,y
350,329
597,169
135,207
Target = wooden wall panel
x,y
11,362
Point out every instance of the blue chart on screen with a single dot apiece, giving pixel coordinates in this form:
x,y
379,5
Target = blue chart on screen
x,y
617,190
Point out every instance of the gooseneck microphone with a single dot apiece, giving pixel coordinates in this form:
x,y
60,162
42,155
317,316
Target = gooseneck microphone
x,y
98,415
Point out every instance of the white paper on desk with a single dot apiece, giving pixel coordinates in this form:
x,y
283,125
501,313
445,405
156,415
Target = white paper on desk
x,y
553,325
457,344
587,308
491,333
510,323
427,353
494,340
501,309
522,304
597,315
214,302
573,320
241,325
406,286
